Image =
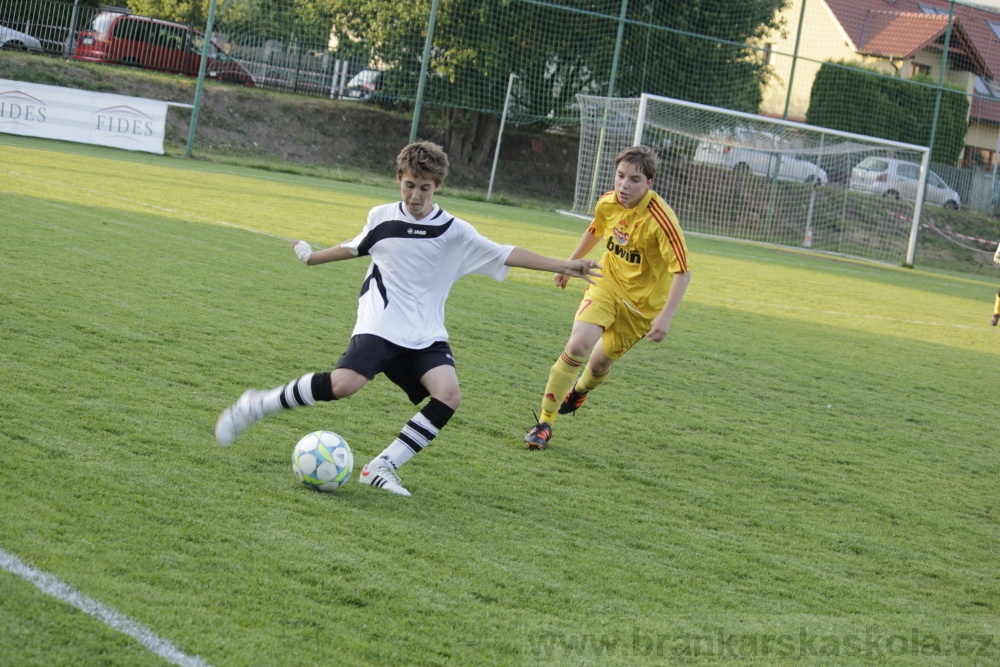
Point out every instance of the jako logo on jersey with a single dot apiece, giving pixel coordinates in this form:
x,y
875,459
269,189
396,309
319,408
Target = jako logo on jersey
x,y
632,257
621,236
418,232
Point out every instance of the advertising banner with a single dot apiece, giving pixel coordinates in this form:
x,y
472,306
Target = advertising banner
x,y
51,112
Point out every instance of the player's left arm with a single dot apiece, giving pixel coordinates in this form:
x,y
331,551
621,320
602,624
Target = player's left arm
x,y
578,268
661,323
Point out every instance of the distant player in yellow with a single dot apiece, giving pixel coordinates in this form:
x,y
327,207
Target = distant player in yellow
x,y
645,276
996,306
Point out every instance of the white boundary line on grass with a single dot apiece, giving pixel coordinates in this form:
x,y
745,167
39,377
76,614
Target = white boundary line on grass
x,y
113,619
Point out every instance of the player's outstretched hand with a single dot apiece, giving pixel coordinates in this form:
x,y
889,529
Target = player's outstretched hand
x,y
580,268
302,250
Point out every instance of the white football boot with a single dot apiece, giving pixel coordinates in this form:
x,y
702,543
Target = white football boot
x,y
380,474
239,416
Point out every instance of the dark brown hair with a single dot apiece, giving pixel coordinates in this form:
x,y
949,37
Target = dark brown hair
x,y
644,159
423,159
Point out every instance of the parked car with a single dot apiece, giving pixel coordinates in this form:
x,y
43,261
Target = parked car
x,y
363,85
124,39
758,152
894,178
15,40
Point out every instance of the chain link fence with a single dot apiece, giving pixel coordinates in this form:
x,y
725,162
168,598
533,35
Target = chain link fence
x,y
459,65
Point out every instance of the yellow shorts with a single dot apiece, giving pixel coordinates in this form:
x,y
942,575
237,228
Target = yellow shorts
x,y
623,325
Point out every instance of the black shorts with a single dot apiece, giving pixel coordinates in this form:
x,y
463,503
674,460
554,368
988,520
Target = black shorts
x,y
370,355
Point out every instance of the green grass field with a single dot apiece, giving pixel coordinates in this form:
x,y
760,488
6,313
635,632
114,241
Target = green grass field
x,y
804,472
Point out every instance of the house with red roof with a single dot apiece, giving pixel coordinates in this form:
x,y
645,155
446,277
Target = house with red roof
x,y
902,38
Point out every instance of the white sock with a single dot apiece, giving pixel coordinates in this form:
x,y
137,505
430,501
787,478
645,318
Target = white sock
x,y
416,435
295,394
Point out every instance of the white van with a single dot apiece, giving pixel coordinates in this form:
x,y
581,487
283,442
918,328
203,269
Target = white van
x,y
900,179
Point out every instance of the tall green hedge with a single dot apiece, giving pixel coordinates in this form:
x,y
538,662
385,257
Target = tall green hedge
x,y
855,100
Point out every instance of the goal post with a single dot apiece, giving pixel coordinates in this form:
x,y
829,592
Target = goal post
x,y
740,175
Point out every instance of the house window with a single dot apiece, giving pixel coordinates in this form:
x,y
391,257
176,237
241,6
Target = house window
x,y
995,27
931,9
921,69
982,88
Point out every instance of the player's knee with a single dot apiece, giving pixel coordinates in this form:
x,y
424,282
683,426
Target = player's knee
x,y
577,348
344,385
452,397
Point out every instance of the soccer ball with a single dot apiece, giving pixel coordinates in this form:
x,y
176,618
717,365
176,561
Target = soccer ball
x,y
322,461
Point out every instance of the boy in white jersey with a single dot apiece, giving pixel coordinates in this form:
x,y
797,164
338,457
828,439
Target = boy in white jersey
x,y
418,251
646,273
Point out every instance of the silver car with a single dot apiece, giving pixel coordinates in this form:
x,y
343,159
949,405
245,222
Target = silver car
x,y
15,40
900,179
758,152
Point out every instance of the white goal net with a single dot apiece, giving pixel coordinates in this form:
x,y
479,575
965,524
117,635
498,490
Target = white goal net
x,y
740,175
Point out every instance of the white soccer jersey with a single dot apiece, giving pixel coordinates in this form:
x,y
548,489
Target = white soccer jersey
x,y
414,264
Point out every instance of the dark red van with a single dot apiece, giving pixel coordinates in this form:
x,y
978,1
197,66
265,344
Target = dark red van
x,y
123,39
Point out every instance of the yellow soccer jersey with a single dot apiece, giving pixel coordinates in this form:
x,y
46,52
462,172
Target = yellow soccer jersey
x,y
645,248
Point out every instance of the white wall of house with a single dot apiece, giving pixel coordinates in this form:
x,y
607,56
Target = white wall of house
x,y
822,39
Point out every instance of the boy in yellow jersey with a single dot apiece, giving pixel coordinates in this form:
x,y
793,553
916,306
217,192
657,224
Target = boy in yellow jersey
x,y
645,276
996,305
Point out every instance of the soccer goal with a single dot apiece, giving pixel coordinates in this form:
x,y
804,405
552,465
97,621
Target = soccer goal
x,y
739,175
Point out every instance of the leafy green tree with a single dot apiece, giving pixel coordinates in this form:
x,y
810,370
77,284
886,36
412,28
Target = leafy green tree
x,y
707,55
290,21
191,12
556,54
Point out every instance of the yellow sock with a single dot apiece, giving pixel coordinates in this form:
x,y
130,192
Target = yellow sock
x,y
561,378
996,307
588,381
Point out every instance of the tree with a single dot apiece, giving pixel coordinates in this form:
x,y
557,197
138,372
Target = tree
x,y
556,54
699,51
191,12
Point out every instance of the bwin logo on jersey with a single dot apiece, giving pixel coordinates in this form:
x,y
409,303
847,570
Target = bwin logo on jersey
x,y
630,256
416,232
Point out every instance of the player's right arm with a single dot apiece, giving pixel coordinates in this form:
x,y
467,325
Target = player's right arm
x,y
996,256
305,253
586,244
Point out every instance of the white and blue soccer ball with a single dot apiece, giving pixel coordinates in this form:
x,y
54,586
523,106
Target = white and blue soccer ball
x,y
323,461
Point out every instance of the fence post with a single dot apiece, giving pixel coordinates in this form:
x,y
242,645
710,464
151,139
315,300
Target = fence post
x,y
298,66
200,86
618,48
784,116
944,67
611,93
503,121
795,60
423,72
333,80
70,45
911,251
